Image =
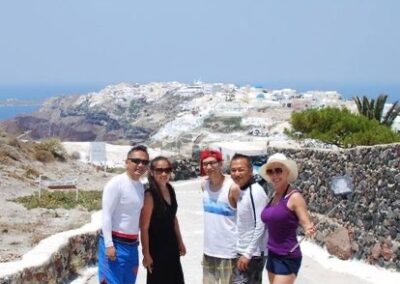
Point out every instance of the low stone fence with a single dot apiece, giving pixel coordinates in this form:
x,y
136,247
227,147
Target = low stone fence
x,y
55,259
372,214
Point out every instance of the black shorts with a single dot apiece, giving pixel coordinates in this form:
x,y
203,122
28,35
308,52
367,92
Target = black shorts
x,y
283,265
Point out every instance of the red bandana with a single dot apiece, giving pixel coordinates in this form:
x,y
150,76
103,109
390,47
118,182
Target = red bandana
x,y
208,153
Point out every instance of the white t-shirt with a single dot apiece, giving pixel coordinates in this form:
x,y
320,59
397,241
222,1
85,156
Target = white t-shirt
x,y
219,221
251,235
122,203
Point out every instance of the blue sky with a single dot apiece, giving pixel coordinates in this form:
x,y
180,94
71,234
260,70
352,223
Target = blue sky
x,y
273,43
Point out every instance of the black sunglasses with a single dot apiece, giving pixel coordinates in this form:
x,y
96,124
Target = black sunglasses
x,y
277,171
163,170
210,163
138,161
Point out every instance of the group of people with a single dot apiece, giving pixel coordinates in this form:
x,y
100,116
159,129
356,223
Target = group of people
x,y
245,227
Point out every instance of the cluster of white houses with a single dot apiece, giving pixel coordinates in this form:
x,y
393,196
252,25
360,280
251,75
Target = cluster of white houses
x,y
219,99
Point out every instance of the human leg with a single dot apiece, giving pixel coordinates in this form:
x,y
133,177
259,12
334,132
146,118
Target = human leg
x,y
109,271
253,274
209,270
255,269
128,259
166,269
282,270
225,268
271,277
284,279
218,270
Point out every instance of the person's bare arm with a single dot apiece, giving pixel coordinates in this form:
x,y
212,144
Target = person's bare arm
x,y
181,245
145,218
234,194
298,205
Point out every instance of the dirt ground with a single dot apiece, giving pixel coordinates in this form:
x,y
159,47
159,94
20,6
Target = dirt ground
x,y
20,228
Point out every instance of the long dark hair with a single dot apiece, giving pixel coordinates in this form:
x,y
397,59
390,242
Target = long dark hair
x,y
154,188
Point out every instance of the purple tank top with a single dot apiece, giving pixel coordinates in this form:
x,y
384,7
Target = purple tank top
x,y
282,225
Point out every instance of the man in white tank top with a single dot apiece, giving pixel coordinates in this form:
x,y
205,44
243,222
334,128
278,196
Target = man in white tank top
x,y
122,203
220,196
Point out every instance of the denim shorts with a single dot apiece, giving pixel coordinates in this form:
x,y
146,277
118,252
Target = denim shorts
x,y
283,265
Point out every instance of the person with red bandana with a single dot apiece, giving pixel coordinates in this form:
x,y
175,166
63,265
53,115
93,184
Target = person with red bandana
x,y
220,196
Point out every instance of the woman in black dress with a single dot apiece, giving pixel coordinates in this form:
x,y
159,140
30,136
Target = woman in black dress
x,y
160,234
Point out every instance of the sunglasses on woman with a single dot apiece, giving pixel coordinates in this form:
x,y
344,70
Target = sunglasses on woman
x,y
277,171
163,170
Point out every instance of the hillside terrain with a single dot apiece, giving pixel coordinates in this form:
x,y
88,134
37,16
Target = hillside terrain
x,y
20,228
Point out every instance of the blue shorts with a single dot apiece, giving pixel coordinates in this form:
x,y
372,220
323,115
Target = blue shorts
x,y
283,265
124,268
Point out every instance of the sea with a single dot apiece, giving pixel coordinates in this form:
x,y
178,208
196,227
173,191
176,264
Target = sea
x,y
31,97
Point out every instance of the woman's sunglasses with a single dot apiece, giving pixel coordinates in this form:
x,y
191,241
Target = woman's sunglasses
x,y
163,170
277,171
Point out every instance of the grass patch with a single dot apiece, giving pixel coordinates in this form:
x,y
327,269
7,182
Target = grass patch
x,y
91,200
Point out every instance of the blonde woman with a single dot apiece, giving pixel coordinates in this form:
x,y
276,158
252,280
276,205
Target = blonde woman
x,y
283,214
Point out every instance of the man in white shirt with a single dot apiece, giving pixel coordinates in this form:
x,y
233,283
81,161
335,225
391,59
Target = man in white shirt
x,y
122,203
250,244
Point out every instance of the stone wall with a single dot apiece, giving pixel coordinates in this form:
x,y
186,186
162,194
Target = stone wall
x,y
55,259
372,213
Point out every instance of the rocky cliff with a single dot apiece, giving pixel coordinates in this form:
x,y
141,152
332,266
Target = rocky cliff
x,y
121,112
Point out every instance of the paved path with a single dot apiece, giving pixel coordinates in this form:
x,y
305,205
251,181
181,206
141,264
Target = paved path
x,y
190,217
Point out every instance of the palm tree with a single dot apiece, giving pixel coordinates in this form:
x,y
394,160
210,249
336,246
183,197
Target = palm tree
x,y
373,109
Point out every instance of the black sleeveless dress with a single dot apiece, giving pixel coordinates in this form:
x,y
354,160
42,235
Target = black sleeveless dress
x,y
163,243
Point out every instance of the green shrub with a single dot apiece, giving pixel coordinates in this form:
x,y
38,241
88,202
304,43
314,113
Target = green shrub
x,y
91,200
341,127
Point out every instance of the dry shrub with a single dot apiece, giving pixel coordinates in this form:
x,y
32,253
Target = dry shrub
x,y
11,152
4,159
12,141
31,172
44,156
53,146
75,155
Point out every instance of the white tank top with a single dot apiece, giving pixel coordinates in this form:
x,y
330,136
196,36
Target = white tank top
x,y
219,222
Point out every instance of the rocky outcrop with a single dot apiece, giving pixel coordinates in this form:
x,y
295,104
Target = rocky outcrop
x,y
338,243
120,112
